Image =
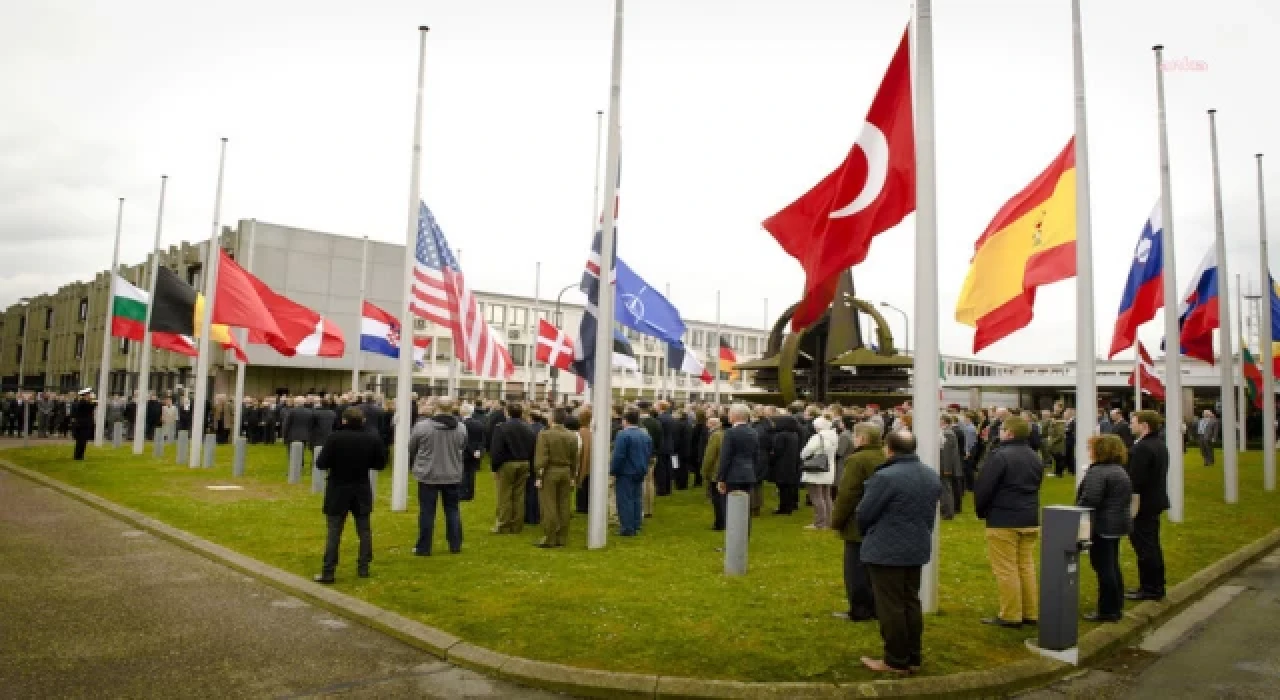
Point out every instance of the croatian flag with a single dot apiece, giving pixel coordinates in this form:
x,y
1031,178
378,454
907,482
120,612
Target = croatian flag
x,y
380,333
1144,291
1198,313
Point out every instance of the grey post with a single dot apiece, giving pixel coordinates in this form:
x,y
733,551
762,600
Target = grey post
x,y
373,483
737,527
210,444
317,476
182,447
157,444
1060,546
295,462
117,435
237,466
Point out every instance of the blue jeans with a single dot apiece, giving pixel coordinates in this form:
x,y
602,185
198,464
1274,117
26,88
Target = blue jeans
x,y
629,515
427,494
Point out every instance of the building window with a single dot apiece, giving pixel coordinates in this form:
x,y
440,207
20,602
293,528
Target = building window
x,y
48,318
79,346
751,345
84,308
18,354
444,348
124,346
519,316
496,314
44,351
193,275
22,325
737,343
697,339
559,319
518,354
649,365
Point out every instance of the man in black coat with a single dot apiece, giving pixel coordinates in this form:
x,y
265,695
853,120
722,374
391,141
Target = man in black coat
x,y
739,452
322,420
1148,471
665,447
763,426
82,414
476,440
152,417
784,469
297,424
373,414
348,455
1120,427
682,457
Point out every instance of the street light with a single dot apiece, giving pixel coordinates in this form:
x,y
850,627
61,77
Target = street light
x,y
22,367
553,371
906,339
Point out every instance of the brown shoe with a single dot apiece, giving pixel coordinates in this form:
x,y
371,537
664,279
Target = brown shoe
x,y
879,666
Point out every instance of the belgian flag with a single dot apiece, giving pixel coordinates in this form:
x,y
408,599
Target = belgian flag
x,y
176,314
727,358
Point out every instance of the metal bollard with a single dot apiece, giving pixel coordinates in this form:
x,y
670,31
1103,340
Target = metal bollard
x,y
317,476
182,447
157,445
295,462
117,435
210,444
237,466
737,530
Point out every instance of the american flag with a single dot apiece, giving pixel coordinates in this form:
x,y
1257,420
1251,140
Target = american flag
x,y
440,294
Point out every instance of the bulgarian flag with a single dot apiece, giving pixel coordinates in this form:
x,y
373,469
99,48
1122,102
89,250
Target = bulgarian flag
x,y
1031,242
128,310
1252,377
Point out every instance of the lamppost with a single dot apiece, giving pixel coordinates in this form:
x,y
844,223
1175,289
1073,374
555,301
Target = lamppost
x,y
22,367
906,339
554,372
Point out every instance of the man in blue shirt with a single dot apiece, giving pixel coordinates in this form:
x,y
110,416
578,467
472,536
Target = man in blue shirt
x,y
628,466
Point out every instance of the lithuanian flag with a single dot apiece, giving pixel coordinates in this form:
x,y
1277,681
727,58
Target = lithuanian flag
x,y
1031,242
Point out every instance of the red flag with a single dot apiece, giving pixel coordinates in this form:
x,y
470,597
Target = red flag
x,y
554,347
830,228
1146,375
297,329
239,302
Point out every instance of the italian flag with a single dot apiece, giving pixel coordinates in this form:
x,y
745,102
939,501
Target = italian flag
x,y
128,309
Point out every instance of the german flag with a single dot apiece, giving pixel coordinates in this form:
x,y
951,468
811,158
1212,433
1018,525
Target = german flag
x,y
1031,242
727,358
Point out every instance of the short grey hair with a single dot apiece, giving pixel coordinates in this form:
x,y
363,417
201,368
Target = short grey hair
x,y
466,410
739,410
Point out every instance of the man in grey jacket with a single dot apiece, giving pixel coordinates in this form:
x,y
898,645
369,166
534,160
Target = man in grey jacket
x,y
896,517
435,451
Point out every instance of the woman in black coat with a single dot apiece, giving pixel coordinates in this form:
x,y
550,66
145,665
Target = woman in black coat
x,y
348,455
784,469
1107,490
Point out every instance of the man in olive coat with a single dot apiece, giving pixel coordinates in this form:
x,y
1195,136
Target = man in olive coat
x,y
555,456
858,467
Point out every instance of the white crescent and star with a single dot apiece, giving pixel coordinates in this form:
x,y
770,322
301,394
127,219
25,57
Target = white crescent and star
x,y
875,147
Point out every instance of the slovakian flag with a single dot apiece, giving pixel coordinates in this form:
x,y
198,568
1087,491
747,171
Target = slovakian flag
x,y
1145,375
1144,290
1198,312
380,334
681,359
1252,375
830,228
1031,242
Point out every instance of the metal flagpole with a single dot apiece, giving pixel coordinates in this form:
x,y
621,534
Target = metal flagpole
x,y
601,385
404,373
1265,345
1086,374
1230,460
926,385
84,345
364,281
715,357
212,255
531,322
665,379
1173,418
1240,397
100,413
144,371
243,334
454,388
1137,378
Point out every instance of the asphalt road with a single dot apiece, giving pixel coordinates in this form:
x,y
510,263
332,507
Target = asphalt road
x,y
1227,646
90,607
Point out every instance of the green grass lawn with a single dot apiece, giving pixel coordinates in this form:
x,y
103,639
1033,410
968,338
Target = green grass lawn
x,y
657,603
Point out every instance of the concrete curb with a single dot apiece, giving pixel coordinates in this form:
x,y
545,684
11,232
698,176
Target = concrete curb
x,y
1010,678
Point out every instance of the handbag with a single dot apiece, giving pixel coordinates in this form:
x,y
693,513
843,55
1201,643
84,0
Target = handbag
x,y
817,463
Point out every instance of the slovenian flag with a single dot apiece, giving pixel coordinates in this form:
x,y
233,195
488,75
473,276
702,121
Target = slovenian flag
x,y
380,334
1144,290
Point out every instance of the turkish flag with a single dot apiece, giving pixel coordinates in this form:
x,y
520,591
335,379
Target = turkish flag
x,y
830,228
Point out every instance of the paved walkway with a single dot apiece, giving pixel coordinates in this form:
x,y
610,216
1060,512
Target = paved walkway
x,y
1225,646
92,608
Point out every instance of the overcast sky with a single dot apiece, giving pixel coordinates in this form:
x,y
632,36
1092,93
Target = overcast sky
x,y
730,110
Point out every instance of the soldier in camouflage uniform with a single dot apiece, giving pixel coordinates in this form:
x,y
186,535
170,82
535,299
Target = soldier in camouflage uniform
x,y
1046,422
1057,444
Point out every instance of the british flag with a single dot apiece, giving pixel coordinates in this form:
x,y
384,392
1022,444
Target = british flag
x,y
440,294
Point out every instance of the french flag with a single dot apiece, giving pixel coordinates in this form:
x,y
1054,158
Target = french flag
x,y
1198,313
1144,290
380,334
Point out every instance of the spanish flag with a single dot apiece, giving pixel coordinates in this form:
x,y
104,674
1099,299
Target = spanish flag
x,y
727,359
1031,242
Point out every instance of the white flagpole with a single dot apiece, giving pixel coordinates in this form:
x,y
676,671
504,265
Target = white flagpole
x,y
1086,373
1137,378
1230,460
926,385
531,323
144,371
715,352
100,417
601,385
454,384
243,334
1173,419
364,281
664,381
1264,345
131,364
404,373
212,254
1240,397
